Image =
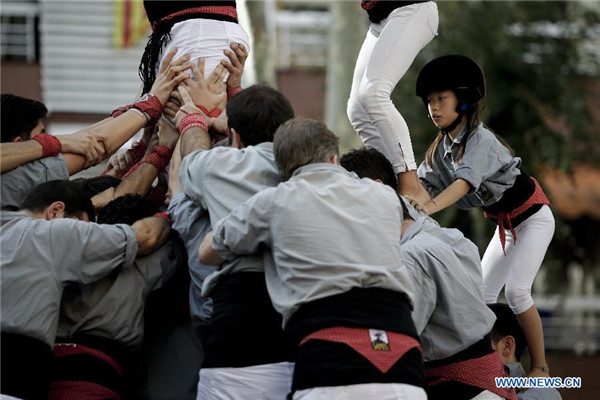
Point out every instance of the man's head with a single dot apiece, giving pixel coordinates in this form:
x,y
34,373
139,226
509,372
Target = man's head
x,y
254,114
303,141
370,163
126,210
58,199
21,118
507,336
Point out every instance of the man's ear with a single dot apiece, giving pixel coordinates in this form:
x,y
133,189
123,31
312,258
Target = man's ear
x,y
236,141
55,210
16,139
334,159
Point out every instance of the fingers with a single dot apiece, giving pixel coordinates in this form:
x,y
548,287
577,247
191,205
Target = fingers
x,y
233,58
170,109
218,74
185,96
167,60
199,69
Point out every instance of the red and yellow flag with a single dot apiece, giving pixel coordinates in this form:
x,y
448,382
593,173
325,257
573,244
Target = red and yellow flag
x,y
130,23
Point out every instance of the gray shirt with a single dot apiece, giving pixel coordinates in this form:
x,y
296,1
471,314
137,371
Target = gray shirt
x,y
16,183
487,165
113,308
192,223
219,180
449,313
515,369
40,257
328,232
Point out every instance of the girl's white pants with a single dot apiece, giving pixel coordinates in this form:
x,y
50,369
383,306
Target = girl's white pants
x,y
518,268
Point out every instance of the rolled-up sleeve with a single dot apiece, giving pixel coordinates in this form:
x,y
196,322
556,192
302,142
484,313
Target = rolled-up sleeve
x,y
479,160
247,229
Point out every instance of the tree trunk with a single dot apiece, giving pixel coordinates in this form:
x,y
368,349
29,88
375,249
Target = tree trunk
x,y
348,29
263,33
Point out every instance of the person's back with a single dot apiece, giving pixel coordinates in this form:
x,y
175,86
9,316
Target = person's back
x,y
336,278
44,247
218,180
450,312
101,323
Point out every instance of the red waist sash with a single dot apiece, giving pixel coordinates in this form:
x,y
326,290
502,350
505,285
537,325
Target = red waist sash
x,y
382,348
538,197
479,372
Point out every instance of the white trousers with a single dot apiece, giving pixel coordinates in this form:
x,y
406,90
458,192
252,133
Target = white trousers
x,y
205,38
487,395
518,268
386,54
379,391
265,382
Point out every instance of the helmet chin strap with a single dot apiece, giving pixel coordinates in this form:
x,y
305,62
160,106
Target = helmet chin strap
x,y
453,125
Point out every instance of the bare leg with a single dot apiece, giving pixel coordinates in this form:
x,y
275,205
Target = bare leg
x,y
532,328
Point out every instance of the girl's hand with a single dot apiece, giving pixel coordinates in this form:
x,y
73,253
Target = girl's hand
x,y
237,59
427,208
169,76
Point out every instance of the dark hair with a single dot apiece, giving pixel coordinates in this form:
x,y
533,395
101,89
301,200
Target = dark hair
x,y
507,325
370,163
302,141
256,112
473,119
44,194
97,184
20,116
126,210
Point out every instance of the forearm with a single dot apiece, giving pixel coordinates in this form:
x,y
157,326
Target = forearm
x,y
195,138
14,154
207,253
448,196
115,132
151,233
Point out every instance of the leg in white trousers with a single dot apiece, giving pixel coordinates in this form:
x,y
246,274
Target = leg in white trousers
x,y
518,268
386,54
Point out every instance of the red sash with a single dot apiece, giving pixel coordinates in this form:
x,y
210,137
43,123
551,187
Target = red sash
x,y
538,197
79,389
382,348
479,372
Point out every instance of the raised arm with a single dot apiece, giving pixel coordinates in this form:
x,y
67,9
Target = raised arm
x,y
127,121
140,179
198,103
14,154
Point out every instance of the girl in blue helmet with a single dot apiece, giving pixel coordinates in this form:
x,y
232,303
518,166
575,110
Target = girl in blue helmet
x,y
470,166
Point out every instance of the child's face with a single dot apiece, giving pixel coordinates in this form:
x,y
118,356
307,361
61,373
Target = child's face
x,y
442,107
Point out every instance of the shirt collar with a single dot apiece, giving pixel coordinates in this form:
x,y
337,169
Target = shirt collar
x,y
515,369
318,167
449,143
